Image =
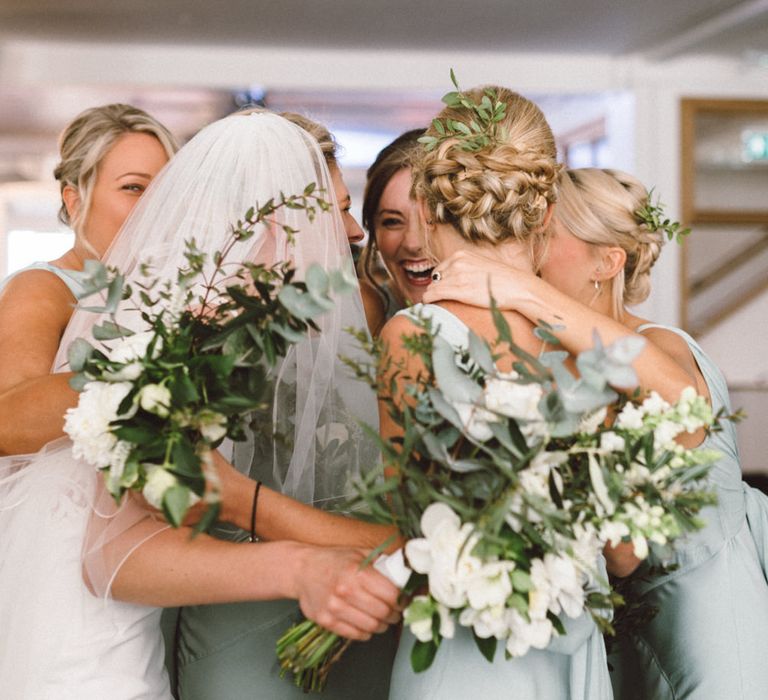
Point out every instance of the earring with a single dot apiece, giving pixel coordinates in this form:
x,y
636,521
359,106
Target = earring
x,y
597,286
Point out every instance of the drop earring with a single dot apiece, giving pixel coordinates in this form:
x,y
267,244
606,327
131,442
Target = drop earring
x,y
597,286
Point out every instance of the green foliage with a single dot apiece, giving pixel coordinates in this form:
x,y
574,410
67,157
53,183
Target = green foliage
x,y
654,218
480,126
210,351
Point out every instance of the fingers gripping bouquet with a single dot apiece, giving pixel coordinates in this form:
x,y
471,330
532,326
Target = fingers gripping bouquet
x,y
155,401
508,485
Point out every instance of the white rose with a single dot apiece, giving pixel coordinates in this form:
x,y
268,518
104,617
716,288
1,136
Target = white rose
x,y
159,480
513,399
155,398
87,424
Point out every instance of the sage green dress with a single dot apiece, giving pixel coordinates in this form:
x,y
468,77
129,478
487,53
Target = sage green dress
x,y
227,652
709,640
572,667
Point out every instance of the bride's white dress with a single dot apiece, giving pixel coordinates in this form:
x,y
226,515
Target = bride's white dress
x,y
57,639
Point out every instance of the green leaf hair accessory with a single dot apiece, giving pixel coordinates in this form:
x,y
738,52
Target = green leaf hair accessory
x,y
483,128
652,215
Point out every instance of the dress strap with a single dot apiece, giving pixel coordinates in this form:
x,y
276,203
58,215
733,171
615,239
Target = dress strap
x,y
446,324
64,275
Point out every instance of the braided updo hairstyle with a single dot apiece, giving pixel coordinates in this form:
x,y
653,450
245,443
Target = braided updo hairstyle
x,y
501,191
599,207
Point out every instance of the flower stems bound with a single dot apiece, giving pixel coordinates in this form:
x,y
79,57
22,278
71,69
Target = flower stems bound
x,y
309,651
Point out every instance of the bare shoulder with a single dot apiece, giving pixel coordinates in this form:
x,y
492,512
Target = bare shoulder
x,y
675,346
35,307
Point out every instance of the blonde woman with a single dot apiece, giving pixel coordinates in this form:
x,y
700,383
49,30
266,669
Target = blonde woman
x,y
109,156
490,201
708,639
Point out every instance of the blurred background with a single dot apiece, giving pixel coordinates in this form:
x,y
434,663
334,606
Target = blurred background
x,y
674,91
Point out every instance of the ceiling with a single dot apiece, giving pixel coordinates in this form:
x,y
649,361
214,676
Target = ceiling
x,y
583,26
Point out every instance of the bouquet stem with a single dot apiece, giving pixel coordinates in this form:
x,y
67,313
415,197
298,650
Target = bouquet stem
x,y
309,651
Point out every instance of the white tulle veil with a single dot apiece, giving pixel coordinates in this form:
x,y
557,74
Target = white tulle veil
x,y
308,444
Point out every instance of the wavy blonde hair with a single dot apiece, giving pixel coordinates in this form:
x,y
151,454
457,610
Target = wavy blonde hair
x,y
87,140
500,192
599,206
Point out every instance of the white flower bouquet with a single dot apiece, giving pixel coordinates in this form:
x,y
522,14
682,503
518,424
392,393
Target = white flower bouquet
x,y
156,400
506,487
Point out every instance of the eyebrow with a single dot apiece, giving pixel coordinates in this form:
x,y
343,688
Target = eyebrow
x,y
390,211
144,175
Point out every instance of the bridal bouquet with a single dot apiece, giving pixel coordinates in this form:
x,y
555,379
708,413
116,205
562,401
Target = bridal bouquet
x,y
507,486
156,401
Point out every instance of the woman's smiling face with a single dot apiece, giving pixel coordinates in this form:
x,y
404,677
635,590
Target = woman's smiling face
x,y
400,238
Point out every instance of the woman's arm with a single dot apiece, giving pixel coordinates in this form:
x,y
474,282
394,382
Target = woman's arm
x,y
280,517
665,365
332,588
35,307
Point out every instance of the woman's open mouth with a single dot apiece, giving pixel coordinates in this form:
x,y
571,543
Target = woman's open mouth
x,y
417,272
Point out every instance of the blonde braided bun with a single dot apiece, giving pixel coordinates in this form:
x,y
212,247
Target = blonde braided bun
x,y
501,191
599,207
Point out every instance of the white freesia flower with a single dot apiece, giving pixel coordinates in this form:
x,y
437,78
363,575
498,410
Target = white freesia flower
x,y
665,433
418,617
592,421
630,417
486,623
523,634
212,425
127,373
640,546
159,480
611,442
475,420
560,579
513,399
655,405
491,585
87,424
134,347
155,398
613,532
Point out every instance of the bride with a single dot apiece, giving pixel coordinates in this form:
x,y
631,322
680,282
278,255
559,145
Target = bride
x,y
81,580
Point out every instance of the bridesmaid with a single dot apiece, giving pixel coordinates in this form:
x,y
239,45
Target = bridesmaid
x,y
395,232
109,155
487,202
708,640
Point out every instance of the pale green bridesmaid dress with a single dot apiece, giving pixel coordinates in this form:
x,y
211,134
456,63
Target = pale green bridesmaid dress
x,y
573,667
709,640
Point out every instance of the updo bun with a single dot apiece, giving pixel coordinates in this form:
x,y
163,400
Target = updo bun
x,y
600,207
500,191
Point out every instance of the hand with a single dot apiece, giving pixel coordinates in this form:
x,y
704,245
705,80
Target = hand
x,y
337,594
467,277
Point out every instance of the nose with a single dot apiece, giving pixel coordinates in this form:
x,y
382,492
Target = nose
x,y
354,232
413,238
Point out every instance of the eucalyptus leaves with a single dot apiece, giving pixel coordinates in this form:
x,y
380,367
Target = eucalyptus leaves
x,y
155,401
483,127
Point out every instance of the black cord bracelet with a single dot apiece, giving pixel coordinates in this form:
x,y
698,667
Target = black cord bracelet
x,y
253,511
